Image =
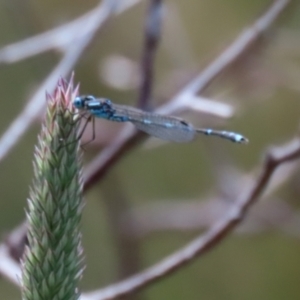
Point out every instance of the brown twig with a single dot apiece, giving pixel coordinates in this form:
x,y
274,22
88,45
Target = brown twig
x,y
9,268
81,38
200,214
129,137
196,216
10,253
152,36
116,203
59,38
127,247
211,238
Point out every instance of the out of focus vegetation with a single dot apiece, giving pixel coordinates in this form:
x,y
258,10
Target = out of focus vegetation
x,y
165,185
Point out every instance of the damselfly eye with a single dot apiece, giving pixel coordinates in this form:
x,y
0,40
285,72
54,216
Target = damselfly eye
x,y
78,102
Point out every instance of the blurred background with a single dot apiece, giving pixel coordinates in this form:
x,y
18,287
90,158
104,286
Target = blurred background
x,y
160,196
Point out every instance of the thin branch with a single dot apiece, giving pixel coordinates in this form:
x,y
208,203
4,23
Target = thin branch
x,y
276,157
200,214
129,137
127,247
16,241
210,107
235,51
196,216
9,268
10,252
20,125
211,238
152,36
60,37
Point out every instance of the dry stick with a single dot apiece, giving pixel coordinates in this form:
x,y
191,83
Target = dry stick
x,y
58,38
115,203
201,214
235,51
211,238
129,136
93,22
219,231
20,125
10,253
9,268
152,37
196,216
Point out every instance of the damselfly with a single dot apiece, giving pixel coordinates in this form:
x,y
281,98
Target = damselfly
x,y
167,128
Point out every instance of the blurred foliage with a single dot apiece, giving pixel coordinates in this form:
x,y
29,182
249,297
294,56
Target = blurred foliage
x,y
265,91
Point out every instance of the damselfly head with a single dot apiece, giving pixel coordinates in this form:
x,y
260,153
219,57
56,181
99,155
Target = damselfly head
x,y
80,102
